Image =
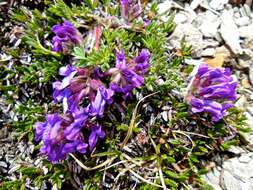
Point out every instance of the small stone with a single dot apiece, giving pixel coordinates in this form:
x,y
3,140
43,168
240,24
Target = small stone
x,y
230,182
209,52
218,4
251,76
245,84
209,28
236,150
191,35
14,168
250,110
165,115
237,14
243,21
3,164
245,10
246,31
207,43
180,17
230,32
195,3
164,7
244,159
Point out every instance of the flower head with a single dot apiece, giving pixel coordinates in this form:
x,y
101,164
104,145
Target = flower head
x,y
96,132
77,84
103,97
65,35
127,76
55,144
212,91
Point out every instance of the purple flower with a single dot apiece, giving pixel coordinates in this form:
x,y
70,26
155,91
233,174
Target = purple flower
x,y
212,91
55,145
96,132
73,130
103,97
77,84
65,36
126,77
142,61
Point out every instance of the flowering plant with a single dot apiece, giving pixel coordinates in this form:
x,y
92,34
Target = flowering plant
x,y
63,134
212,90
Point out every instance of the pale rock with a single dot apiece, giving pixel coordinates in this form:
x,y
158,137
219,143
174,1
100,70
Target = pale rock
x,y
208,43
191,12
237,15
181,17
246,60
209,52
251,80
236,12
245,10
14,168
244,159
236,149
246,31
164,7
250,109
195,3
165,115
191,35
241,102
243,21
3,164
230,32
246,185
209,28
212,178
231,183
218,4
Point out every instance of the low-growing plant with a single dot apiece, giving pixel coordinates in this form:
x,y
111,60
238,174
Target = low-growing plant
x,y
119,110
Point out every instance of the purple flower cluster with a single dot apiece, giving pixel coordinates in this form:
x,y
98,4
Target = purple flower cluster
x,y
84,95
213,90
66,35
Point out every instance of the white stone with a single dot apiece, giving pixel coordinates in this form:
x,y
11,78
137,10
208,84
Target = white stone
x,y
209,52
237,15
191,35
164,7
181,17
230,32
218,4
209,28
236,150
195,3
243,21
244,159
246,31
230,181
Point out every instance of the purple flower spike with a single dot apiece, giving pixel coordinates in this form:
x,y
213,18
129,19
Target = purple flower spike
x,y
96,132
65,36
103,97
55,145
127,76
142,61
212,91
